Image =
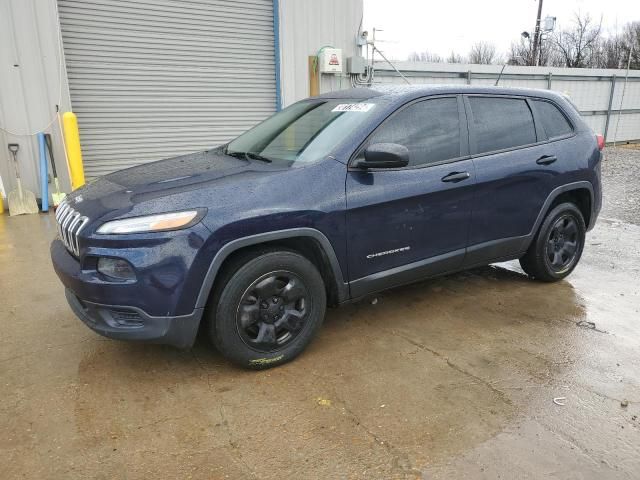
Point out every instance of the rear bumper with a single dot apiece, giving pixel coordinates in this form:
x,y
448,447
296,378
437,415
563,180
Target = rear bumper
x,y
130,323
596,203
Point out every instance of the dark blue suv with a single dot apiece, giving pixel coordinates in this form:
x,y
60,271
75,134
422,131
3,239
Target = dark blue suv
x,y
333,198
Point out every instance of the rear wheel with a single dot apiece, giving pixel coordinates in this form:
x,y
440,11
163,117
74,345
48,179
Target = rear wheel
x,y
267,308
557,247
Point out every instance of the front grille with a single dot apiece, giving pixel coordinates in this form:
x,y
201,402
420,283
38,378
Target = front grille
x,y
70,224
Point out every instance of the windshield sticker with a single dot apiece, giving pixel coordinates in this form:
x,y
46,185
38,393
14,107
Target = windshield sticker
x,y
354,107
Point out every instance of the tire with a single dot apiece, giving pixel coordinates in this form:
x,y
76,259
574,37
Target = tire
x,y
557,247
267,308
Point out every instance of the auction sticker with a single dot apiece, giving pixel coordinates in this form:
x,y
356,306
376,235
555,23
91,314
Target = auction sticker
x,y
354,107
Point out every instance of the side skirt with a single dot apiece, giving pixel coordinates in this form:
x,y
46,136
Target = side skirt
x,y
416,272
488,252
409,273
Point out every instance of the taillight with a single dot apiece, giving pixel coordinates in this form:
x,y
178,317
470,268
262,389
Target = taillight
x,y
600,140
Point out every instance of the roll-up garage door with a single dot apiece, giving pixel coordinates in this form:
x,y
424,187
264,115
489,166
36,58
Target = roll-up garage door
x,y
150,79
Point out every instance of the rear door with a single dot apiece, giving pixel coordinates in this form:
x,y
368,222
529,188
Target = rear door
x,y
517,166
412,222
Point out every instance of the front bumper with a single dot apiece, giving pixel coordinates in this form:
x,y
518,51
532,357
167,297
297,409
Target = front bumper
x,y
130,323
117,310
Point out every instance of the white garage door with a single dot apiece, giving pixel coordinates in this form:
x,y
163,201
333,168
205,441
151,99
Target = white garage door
x,y
150,79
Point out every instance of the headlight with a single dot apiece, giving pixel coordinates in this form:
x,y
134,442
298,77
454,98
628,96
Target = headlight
x,y
150,223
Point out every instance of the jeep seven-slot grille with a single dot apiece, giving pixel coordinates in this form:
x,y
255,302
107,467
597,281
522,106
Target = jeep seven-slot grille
x,y
70,224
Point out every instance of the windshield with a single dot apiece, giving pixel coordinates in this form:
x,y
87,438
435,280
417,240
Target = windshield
x,y
304,132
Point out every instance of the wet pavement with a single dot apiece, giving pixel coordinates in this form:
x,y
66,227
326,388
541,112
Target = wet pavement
x,y
449,378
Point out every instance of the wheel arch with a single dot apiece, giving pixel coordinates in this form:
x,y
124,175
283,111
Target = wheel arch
x,y
581,198
580,193
310,242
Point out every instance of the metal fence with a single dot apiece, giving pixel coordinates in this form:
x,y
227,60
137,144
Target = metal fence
x,y
609,100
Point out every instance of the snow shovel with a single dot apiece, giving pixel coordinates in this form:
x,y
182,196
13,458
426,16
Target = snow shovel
x,y
57,195
20,201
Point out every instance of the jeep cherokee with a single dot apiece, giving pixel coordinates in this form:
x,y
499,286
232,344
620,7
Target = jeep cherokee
x,y
329,200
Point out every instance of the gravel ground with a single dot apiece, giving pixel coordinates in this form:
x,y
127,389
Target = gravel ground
x,y
621,184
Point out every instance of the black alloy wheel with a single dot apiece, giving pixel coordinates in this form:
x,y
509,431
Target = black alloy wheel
x,y
557,247
272,311
266,308
562,243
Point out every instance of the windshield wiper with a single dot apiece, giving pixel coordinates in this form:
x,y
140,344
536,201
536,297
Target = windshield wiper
x,y
240,155
257,156
249,156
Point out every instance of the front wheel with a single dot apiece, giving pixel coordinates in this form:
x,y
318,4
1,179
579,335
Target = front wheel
x,y
557,247
267,309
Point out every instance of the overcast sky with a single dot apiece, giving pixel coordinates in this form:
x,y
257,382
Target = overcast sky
x,y
440,26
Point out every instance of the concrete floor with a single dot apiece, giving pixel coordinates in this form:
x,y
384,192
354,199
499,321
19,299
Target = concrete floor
x,y
449,378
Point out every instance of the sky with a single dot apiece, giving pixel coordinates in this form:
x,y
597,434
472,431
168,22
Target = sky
x,y
440,26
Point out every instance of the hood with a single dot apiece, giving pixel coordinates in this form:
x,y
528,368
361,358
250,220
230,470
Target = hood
x,y
166,185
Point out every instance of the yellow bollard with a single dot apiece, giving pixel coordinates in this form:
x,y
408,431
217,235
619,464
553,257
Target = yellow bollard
x,y
74,153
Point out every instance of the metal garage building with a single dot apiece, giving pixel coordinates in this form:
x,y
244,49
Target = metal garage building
x,y
149,79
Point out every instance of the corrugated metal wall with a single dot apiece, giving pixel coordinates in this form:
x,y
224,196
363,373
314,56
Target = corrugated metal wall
x,y
150,79
308,25
589,89
29,87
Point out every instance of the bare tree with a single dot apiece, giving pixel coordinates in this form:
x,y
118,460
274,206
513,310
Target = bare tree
x,y
455,58
482,53
609,53
613,52
576,45
425,56
581,46
521,53
631,42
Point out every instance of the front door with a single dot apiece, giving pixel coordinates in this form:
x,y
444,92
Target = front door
x,y
408,223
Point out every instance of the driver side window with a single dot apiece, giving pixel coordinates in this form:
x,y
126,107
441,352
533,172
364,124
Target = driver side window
x,y
429,129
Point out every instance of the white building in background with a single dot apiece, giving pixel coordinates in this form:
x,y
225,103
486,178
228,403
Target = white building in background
x,y
150,79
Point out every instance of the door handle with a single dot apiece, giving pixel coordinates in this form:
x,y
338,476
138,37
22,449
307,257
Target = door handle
x,y
546,160
456,177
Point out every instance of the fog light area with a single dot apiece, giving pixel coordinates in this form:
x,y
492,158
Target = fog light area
x,y
116,268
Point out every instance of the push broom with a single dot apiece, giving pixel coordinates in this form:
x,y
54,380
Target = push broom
x,y
57,195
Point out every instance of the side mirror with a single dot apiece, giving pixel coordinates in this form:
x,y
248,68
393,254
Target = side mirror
x,y
384,155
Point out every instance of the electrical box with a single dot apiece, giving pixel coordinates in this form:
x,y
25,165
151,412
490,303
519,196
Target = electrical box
x,y
356,65
330,60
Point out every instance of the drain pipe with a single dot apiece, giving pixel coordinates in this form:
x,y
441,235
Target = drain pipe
x,y
276,41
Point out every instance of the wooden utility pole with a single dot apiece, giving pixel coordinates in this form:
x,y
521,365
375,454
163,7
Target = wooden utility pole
x,y
536,37
314,76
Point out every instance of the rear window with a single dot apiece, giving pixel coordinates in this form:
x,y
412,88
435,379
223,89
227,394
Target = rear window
x,y
553,121
500,123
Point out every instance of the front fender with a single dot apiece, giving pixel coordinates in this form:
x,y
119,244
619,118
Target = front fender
x,y
234,245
